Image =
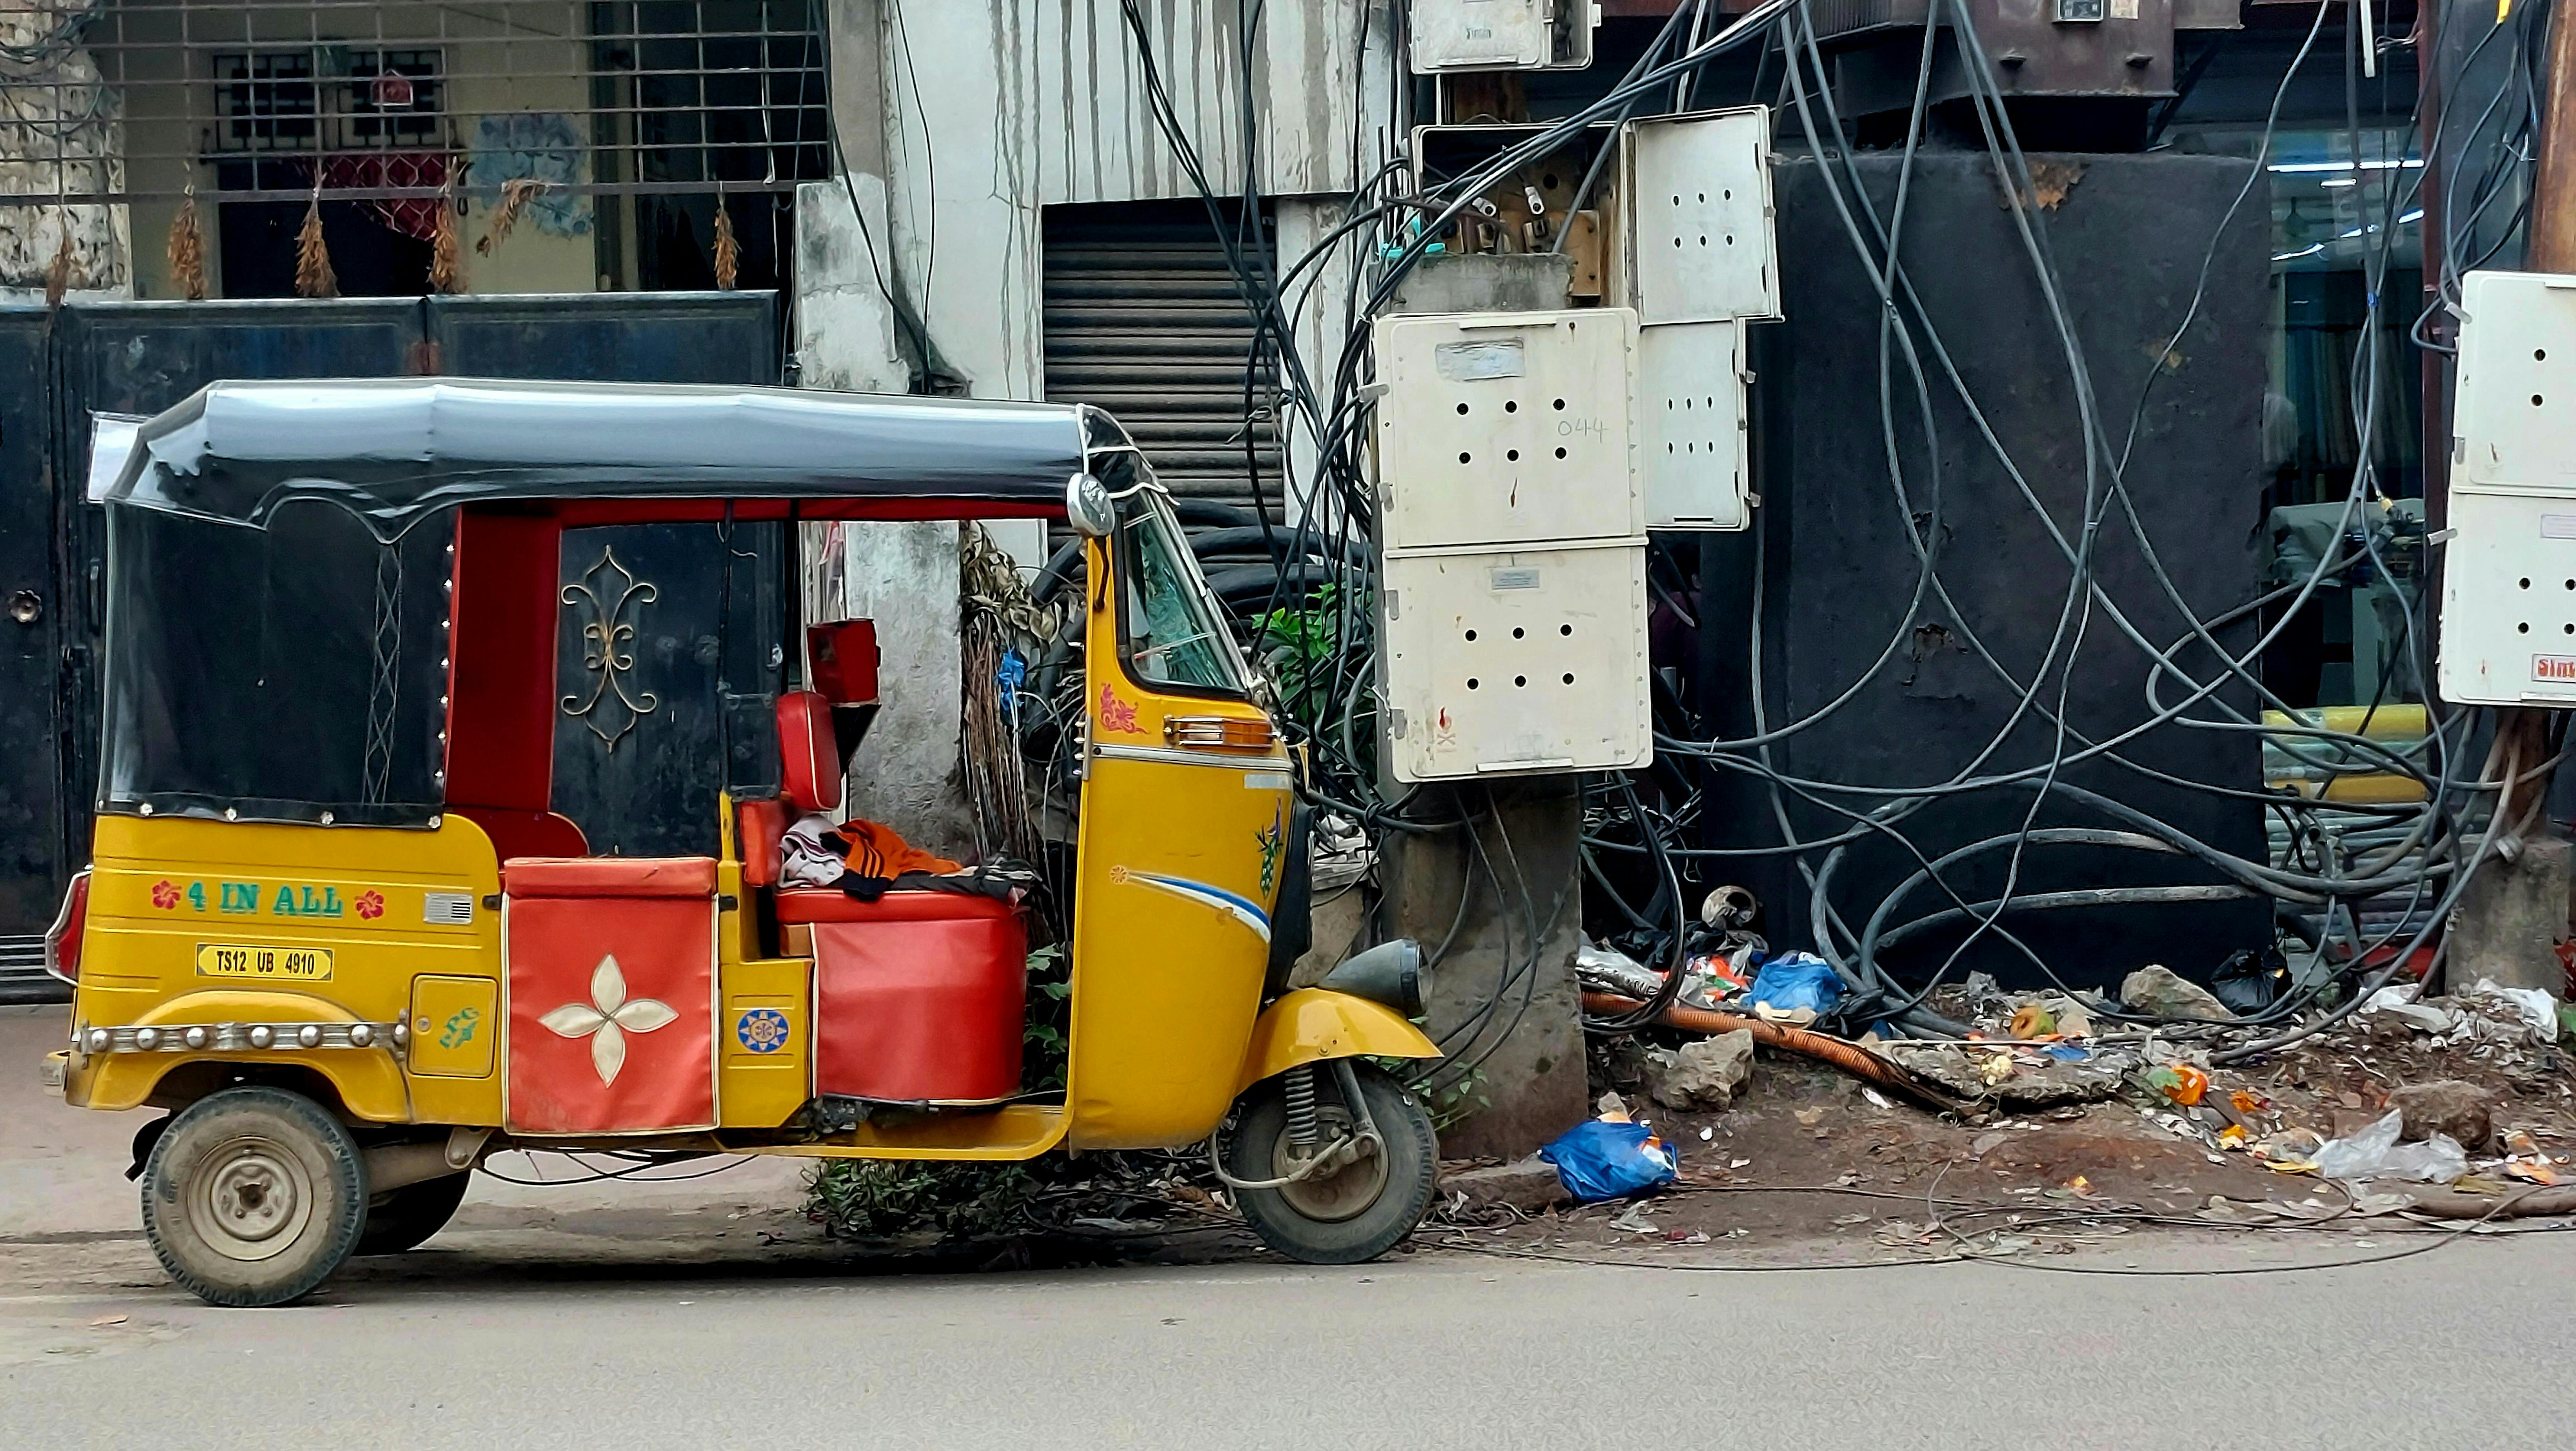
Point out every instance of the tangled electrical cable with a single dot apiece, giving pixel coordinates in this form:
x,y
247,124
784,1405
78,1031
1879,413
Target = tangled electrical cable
x,y
1312,624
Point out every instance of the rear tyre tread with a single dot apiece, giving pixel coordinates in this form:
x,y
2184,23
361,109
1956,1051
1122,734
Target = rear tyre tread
x,y
320,1247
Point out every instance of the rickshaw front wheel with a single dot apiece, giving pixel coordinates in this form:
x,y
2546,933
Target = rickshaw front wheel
x,y
253,1197
1356,1209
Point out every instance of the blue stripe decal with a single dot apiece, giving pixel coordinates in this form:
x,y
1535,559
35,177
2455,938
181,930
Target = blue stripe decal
x,y
1242,909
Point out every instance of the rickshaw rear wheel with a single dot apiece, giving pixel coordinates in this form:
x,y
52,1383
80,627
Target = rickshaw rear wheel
x,y
253,1197
403,1218
1353,1213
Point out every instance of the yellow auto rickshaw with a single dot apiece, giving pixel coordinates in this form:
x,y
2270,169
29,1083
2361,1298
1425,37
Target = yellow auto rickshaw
x,y
335,927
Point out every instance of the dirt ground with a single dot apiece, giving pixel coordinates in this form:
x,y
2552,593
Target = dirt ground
x,y
1807,1157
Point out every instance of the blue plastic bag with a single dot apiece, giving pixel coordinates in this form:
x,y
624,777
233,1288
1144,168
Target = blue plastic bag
x,y
1795,980
1600,1159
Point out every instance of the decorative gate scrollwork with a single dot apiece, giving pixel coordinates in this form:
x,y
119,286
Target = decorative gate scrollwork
x,y
610,593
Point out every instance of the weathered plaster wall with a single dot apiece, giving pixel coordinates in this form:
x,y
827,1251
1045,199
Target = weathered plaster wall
x,y
63,133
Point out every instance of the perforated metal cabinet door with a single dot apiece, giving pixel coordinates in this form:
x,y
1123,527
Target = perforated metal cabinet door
x,y
1505,429
1697,191
2509,600
2514,422
1479,35
1518,663
1690,416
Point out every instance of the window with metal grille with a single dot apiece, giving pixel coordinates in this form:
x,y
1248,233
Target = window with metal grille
x,y
266,102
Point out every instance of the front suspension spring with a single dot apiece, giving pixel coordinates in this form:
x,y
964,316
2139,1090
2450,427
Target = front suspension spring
x,y
1300,1093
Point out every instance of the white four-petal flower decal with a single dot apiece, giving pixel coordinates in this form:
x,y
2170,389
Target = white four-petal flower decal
x,y
608,1017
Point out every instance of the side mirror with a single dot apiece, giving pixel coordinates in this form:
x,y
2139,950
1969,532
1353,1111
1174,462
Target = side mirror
x,y
1088,507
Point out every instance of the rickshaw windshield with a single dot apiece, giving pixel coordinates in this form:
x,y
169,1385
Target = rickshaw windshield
x,y
1175,636
291,673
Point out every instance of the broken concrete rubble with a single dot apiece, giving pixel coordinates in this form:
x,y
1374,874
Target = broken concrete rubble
x,y
2157,991
1528,1185
2014,1077
1702,1074
2464,1111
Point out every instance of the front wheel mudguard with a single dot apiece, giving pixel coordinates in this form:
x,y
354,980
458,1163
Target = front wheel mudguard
x,y
1312,1025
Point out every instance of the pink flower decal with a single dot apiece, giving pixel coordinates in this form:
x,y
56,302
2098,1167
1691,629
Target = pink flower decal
x,y
165,895
371,904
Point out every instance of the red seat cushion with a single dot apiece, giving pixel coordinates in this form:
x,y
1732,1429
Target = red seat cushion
x,y
758,825
809,752
822,904
609,876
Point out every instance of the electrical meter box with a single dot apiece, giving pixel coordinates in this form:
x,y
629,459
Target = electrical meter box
x,y
1696,193
2508,633
1514,662
1509,35
1691,425
2514,418
1500,429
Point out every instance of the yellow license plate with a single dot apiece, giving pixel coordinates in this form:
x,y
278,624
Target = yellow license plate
x,y
289,964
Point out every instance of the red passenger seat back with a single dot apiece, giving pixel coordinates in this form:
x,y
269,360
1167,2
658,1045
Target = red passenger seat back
x,y
812,757
759,825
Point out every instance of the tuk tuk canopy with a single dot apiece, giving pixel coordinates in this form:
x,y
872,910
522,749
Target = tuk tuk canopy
x,y
300,574
393,451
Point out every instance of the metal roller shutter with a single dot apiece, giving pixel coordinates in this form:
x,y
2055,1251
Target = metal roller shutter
x,y
1143,318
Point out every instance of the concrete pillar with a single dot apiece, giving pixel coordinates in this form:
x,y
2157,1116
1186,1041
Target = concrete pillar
x,y
902,575
1528,1081
2511,918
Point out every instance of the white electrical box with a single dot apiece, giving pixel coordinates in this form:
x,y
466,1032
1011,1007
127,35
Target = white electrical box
x,y
1489,35
1500,429
2508,634
2509,600
2514,415
1696,192
1691,425
1515,662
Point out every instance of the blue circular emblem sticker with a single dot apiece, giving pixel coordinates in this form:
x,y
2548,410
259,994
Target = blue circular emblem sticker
x,y
762,1030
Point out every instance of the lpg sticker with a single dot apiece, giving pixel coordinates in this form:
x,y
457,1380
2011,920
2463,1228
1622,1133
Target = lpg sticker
x,y
762,1030
460,1028
2556,669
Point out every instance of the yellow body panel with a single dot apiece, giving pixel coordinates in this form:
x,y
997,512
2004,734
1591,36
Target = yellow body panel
x,y
1311,1025
765,1073
162,889
1019,1131
1179,869
454,1024
454,1060
368,1079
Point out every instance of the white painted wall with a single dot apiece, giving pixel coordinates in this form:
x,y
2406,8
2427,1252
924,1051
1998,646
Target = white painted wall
x,y
958,127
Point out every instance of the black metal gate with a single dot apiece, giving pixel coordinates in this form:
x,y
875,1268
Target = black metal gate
x,y
58,368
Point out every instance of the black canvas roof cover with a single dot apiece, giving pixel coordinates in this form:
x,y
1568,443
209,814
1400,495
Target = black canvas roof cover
x,y
396,450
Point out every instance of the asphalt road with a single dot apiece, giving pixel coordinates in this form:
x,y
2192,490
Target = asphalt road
x,y
692,1314
2466,1345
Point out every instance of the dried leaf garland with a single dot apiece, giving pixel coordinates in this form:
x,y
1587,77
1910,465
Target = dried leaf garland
x,y
188,250
728,251
64,271
516,193
446,268
313,275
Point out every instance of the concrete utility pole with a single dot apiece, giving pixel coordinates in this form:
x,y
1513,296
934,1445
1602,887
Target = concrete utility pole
x,y
2516,910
